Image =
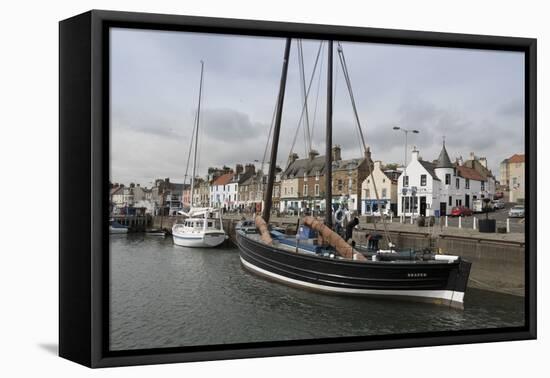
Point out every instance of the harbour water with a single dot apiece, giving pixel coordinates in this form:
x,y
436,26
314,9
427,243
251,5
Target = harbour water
x,y
168,296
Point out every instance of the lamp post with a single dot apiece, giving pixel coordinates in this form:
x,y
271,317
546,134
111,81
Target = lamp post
x,y
406,131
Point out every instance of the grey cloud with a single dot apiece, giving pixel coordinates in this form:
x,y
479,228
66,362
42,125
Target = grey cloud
x,y
513,108
230,125
473,97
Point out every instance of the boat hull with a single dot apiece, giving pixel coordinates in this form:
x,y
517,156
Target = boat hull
x,y
118,230
199,241
429,281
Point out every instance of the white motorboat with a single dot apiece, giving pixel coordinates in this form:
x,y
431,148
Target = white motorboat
x,y
117,228
203,228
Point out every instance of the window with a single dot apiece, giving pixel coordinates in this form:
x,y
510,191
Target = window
x,y
483,186
448,180
467,184
457,183
367,193
422,180
285,190
316,189
305,190
405,180
291,190
317,176
384,192
340,186
450,200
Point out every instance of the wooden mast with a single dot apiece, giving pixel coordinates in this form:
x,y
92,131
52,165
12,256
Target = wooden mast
x,y
328,152
275,143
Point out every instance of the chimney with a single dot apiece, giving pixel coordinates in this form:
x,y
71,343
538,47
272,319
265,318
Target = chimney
x,y
238,169
313,154
415,154
460,161
250,168
378,164
292,158
472,156
483,161
336,153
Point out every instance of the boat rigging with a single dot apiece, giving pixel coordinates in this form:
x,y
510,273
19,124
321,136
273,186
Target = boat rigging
x,y
203,227
318,258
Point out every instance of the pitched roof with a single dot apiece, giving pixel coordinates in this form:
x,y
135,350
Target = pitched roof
x,y
247,181
245,177
307,166
469,173
223,179
430,167
115,189
392,174
339,165
517,158
475,164
443,160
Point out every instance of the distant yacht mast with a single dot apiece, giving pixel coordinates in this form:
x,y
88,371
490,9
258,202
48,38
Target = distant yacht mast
x,y
196,137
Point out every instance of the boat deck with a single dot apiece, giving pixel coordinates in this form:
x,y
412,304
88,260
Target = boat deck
x,y
306,247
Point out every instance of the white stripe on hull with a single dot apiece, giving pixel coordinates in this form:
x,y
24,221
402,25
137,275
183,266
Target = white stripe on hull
x,y
200,241
447,295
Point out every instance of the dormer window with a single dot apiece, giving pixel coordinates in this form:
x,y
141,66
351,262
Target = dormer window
x,y
448,179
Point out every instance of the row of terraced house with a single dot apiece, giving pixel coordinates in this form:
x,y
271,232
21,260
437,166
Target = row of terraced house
x,y
422,187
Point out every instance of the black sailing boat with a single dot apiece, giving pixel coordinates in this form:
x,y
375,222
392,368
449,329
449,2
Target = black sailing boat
x,y
321,260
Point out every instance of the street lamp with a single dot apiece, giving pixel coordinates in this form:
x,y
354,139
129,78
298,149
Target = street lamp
x,y
406,131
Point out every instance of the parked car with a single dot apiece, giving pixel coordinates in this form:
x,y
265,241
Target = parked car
x,y
499,195
461,211
498,204
517,211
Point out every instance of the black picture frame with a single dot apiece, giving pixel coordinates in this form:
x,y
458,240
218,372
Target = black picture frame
x,y
84,163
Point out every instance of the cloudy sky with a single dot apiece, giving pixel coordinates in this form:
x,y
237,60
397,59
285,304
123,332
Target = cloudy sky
x,y
472,97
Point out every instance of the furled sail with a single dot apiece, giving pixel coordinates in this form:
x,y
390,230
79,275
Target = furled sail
x,y
342,247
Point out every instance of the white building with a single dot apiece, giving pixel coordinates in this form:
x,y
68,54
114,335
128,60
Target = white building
x,y
386,186
224,192
427,188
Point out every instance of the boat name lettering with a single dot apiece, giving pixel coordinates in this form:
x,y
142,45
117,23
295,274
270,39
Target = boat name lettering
x,y
414,275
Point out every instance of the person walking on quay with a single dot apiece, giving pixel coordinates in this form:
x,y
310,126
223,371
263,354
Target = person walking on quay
x,y
350,226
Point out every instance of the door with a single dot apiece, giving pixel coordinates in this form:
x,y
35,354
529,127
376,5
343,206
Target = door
x,y
443,208
423,206
467,201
